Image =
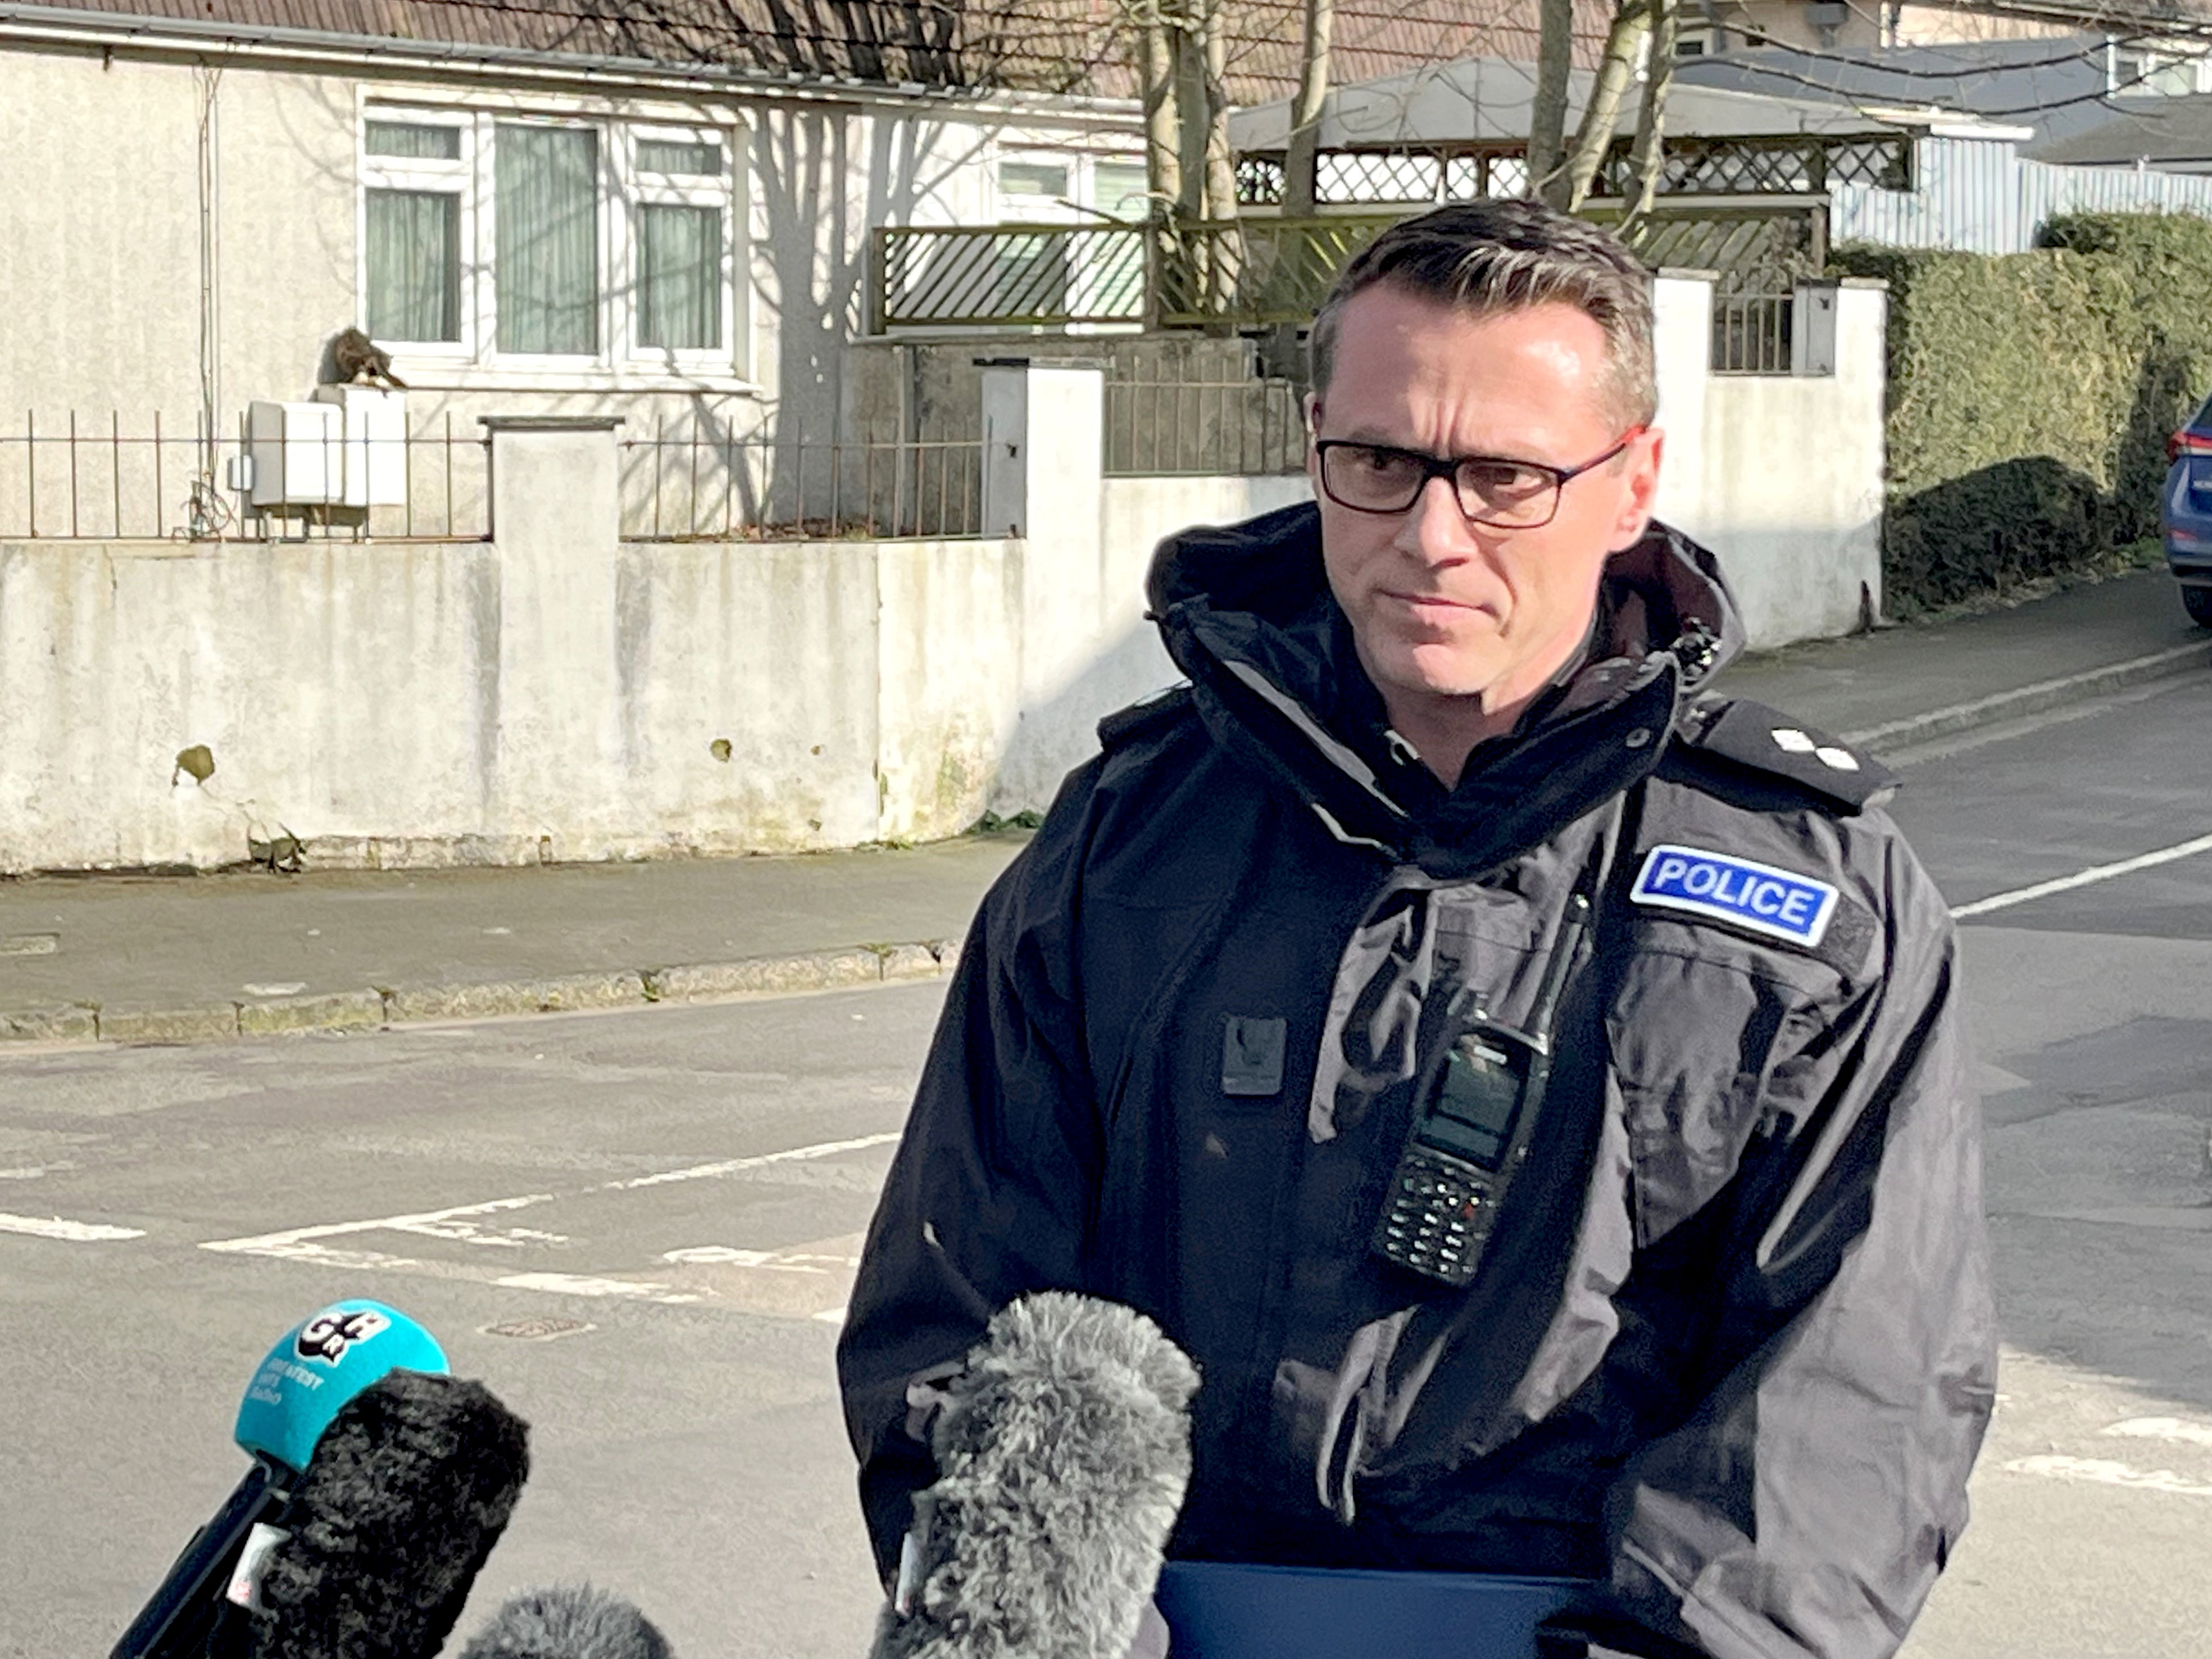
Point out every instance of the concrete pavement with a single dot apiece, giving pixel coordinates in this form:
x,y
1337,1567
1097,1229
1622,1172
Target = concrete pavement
x,y
186,958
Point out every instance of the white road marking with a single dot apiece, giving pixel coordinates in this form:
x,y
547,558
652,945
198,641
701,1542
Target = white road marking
x,y
71,1232
463,1231
721,1256
579,1284
737,1165
831,1316
2179,1430
2104,1472
2083,878
281,1243
458,1224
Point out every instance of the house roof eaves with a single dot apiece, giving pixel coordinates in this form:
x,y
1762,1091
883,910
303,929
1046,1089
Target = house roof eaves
x,y
54,25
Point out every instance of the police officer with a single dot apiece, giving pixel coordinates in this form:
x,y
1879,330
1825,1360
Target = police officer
x,y
1529,1085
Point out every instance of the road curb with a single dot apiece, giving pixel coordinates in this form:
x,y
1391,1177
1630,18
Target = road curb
x,y
78,1023
2030,699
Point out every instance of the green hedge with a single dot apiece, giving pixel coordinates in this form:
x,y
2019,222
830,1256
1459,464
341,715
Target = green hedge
x,y
2031,395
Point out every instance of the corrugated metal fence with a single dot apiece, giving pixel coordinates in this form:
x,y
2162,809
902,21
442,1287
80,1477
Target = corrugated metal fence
x,y
1979,196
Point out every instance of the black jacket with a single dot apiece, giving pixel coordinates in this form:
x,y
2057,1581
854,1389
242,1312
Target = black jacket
x,y
1730,1354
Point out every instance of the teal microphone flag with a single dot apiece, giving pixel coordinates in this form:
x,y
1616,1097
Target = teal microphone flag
x,y
319,1364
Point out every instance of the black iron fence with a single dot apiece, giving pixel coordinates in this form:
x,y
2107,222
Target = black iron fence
x,y
1160,420
698,483
74,477
1751,334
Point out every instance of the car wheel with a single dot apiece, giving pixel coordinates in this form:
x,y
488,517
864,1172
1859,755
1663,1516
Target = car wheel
x,y
2198,602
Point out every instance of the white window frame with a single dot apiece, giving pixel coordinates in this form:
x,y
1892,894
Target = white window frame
x,y
641,190
622,362
456,178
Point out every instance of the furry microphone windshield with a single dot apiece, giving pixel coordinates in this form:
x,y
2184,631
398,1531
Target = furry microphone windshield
x,y
568,1621
408,1491
1063,1451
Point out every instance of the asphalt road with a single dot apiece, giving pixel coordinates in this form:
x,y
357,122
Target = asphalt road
x,y
638,1228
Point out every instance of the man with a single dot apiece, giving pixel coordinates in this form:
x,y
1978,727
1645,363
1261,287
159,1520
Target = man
x,y
1254,1035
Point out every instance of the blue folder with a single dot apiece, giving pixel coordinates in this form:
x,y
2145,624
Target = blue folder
x,y
1219,1611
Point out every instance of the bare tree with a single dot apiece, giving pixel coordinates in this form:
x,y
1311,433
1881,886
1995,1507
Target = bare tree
x,y
1647,162
1163,120
1547,118
1302,157
1624,43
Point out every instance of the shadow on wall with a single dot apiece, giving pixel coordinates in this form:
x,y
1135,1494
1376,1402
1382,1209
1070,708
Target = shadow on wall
x,y
1055,734
816,254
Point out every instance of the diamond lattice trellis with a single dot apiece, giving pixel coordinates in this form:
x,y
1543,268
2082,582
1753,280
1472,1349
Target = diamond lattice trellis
x,y
1363,176
1259,181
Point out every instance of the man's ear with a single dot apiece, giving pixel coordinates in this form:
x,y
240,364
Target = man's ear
x,y
1313,431
1641,467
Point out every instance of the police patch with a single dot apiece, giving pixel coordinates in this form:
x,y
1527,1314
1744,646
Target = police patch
x,y
1732,889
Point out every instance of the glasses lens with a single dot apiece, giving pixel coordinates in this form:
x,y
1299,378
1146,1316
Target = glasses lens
x,y
1505,493
1373,479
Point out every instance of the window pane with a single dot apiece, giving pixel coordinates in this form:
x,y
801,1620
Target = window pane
x,y
414,265
1120,189
548,271
680,277
420,142
662,155
1033,179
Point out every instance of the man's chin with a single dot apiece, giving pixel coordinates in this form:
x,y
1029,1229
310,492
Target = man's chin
x,y
1433,674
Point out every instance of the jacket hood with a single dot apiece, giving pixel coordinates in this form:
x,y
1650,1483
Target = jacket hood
x,y
1246,613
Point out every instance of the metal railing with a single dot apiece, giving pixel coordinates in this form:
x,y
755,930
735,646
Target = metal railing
x,y
1161,422
1012,274
77,478
1751,333
702,484
1259,272
1254,272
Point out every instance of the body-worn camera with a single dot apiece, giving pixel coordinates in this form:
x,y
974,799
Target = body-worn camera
x,y
1470,1129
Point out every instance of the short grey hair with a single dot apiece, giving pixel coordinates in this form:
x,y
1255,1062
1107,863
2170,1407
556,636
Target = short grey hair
x,y
1485,257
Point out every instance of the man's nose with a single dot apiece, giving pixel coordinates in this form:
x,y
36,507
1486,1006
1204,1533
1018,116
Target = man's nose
x,y
1434,530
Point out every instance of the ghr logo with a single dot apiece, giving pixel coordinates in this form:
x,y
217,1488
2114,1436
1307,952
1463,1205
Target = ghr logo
x,y
330,1333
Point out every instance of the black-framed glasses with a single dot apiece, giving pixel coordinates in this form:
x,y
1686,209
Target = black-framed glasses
x,y
1491,490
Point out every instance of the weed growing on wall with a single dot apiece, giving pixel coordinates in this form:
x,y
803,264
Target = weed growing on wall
x,y
2030,398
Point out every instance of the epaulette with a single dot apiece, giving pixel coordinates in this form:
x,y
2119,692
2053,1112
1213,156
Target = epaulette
x,y
1154,714
1749,737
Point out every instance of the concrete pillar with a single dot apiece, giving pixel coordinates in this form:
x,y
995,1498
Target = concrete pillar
x,y
554,737
1044,430
1862,371
1682,344
1812,326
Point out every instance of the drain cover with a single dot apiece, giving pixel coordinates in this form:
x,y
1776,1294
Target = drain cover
x,y
537,1330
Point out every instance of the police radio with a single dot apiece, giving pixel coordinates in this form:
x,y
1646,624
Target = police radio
x,y
1470,1129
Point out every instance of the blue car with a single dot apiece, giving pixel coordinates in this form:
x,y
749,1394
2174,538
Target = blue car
x,y
2184,516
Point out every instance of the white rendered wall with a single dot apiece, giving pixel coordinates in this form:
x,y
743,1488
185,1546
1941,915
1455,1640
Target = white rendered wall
x,y
557,693
1780,475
